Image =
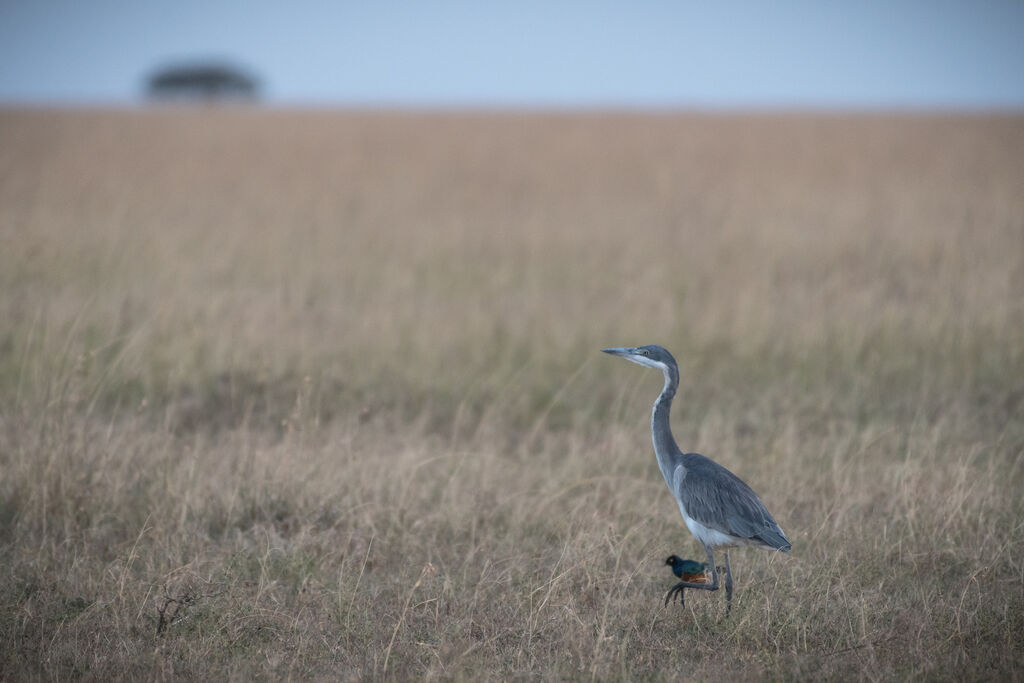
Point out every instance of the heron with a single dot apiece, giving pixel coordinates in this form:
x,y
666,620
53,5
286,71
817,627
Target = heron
x,y
719,509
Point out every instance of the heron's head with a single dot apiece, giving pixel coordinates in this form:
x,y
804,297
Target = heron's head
x,y
652,355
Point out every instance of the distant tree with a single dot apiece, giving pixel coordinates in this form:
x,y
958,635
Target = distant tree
x,y
206,81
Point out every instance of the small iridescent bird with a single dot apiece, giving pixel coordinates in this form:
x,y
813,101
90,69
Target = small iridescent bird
x,y
690,571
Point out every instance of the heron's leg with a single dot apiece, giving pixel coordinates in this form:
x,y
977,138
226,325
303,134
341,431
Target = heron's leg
x,y
683,585
714,569
728,585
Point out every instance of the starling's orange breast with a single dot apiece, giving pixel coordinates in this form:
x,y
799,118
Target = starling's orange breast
x,y
697,578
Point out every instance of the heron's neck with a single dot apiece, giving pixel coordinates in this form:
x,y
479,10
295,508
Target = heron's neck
x,y
661,433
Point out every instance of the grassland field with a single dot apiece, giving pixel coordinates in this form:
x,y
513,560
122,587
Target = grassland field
x,y
319,395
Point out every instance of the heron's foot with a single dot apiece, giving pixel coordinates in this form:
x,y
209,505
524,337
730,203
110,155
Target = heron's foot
x,y
682,586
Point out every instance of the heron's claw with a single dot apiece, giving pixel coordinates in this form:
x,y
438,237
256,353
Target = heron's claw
x,y
683,585
671,594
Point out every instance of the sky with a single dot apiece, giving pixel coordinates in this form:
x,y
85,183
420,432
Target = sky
x,y
463,53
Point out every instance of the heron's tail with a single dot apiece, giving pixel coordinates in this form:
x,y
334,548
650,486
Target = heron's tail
x,y
775,539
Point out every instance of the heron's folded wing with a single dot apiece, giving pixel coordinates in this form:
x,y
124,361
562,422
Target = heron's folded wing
x,y
718,499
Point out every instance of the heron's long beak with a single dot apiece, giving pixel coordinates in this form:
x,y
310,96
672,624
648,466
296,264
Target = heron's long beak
x,y
635,355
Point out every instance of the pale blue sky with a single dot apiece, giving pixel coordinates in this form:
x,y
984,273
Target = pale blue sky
x,y
534,54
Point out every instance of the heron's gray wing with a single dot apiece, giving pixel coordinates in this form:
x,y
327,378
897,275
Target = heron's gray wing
x,y
718,499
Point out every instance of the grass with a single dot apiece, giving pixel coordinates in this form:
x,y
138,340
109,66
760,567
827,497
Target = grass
x,y
320,395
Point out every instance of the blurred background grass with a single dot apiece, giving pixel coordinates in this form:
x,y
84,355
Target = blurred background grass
x,y
280,365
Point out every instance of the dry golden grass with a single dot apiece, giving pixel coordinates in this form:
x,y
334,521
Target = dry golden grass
x,y
320,395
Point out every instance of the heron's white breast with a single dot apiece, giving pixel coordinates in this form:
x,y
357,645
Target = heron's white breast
x,y
712,538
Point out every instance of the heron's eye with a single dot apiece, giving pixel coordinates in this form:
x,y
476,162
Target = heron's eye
x,y
645,352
